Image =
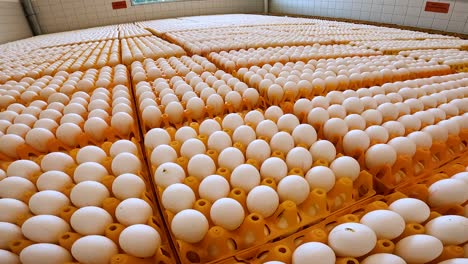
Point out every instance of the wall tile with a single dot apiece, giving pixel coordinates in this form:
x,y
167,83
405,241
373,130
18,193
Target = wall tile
x,y
84,13
400,12
13,23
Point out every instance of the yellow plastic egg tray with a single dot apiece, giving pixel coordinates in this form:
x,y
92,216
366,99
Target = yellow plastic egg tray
x,y
117,72
282,250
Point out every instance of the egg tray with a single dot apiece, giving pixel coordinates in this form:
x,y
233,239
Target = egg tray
x,y
419,187
282,250
63,62
407,169
256,230
164,254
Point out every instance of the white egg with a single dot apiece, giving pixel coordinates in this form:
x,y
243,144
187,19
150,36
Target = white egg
x,y
121,146
90,220
299,158
156,137
48,202
219,140
386,258
294,188
274,168
178,197
323,150
380,155
12,209
385,223
23,168
245,177
200,166
168,173
213,187
412,210
262,200
450,229
258,150
345,167
189,225
53,180
126,163
355,141
128,185
321,177
88,193
90,154
230,158
15,187
227,213
352,239
10,232
8,257
418,248
140,240
282,141
94,249
44,253
403,146
89,171
448,192
313,252
34,228
133,211
304,134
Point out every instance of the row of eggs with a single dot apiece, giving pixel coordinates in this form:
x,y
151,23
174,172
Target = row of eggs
x,y
399,45
245,58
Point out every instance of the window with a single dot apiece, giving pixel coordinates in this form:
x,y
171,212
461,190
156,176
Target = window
x,y
143,2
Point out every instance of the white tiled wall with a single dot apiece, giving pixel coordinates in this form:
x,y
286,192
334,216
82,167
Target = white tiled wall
x,y
63,15
13,23
400,12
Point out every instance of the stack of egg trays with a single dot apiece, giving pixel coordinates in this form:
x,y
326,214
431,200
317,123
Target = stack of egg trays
x,y
282,250
345,193
164,255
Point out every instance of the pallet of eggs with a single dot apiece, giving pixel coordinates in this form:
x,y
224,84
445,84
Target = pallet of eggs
x,y
96,56
397,131
286,82
244,180
91,205
192,97
49,61
148,47
66,110
149,70
205,41
383,229
236,59
456,59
